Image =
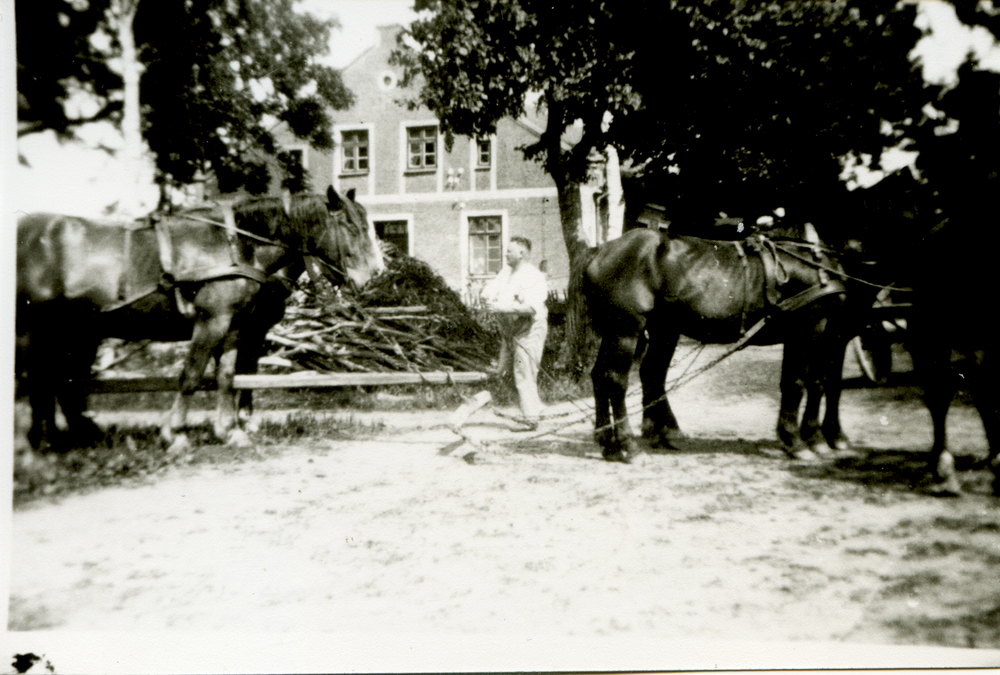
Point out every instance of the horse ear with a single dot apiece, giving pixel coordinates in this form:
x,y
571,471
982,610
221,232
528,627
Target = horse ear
x,y
350,194
333,200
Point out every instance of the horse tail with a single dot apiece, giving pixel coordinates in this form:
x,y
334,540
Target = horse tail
x,y
578,324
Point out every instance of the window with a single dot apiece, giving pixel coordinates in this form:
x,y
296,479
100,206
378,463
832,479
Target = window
x,y
394,232
354,146
485,153
423,147
485,245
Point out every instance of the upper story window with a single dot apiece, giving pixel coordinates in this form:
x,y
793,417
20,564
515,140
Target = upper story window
x,y
354,148
484,153
485,245
422,142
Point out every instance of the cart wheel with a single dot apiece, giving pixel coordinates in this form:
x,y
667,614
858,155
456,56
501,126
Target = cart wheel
x,y
875,363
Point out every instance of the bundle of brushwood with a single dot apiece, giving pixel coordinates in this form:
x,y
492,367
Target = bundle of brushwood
x,y
407,319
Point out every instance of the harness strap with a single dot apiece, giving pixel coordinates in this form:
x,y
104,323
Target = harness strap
x,y
811,294
126,258
746,296
222,272
166,247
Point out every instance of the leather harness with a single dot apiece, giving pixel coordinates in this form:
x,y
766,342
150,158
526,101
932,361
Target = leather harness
x,y
776,276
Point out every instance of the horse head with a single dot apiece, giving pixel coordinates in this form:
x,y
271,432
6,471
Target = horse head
x,y
348,242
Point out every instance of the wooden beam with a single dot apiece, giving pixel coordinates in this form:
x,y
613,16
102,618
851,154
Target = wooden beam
x,y
305,380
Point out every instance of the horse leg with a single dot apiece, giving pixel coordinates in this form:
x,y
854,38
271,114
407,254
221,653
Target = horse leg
x,y
205,338
815,376
659,424
267,311
933,362
616,437
793,367
832,430
226,427
604,432
987,402
41,395
72,397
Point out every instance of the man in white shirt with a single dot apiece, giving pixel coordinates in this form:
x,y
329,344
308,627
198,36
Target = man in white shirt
x,y
517,295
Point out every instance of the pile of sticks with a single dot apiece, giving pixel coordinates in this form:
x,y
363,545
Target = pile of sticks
x,y
351,338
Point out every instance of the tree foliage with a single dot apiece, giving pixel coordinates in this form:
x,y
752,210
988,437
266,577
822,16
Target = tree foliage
x,y
731,106
218,75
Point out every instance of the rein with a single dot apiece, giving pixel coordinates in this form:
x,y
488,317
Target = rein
x,y
820,266
235,229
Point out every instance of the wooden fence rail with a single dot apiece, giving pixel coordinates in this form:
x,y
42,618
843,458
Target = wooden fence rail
x,y
306,379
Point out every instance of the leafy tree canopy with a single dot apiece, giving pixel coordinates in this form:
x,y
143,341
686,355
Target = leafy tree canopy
x,y
731,106
218,75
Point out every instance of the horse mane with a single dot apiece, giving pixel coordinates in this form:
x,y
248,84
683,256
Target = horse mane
x,y
307,213
262,216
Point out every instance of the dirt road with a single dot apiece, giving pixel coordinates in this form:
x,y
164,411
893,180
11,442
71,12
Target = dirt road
x,y
410,532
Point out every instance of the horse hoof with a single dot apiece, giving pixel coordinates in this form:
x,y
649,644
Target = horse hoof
x,y
238,438
821,449
180,445
805,455
618,456
949,487
662,441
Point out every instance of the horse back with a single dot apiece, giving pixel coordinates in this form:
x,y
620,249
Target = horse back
x,y
104,263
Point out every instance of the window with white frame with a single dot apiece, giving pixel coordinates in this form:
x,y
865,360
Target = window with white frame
x,y
354,150
422,144
484,153
485,245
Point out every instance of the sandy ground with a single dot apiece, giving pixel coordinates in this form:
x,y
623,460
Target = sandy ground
x,y
522,537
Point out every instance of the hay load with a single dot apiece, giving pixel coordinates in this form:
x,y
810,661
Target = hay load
x,y
408,319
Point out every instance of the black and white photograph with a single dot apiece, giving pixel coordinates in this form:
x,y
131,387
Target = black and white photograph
x,y
500,335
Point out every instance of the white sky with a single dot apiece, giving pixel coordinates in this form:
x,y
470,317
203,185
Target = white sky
x,y
89,180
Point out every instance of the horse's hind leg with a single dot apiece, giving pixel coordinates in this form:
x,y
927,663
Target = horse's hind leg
x,y
659,424
614,361
72,397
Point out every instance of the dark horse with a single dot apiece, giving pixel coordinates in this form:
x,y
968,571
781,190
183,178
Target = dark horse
x,y
948,258
214,276
645,289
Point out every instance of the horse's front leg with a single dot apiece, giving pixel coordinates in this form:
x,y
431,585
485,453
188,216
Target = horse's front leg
x,y
207,335
832,430
267,311
226,427
793,374
932,361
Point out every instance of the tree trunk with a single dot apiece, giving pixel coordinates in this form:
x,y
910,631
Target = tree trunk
x,y
570,208
571,216
136,164
616,208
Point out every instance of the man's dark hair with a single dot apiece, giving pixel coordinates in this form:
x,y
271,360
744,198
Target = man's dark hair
x,y
523,241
